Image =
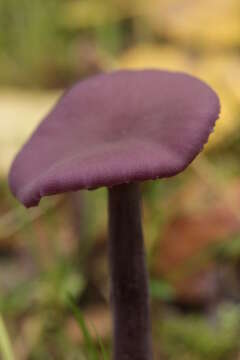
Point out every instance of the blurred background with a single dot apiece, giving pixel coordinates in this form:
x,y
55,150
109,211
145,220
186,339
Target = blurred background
x,y
191,222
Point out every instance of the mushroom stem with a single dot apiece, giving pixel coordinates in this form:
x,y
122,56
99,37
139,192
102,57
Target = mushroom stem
x,y
129,280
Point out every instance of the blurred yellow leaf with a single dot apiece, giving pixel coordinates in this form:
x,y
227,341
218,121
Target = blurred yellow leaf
x,y
154,56
228,67
208,23
218,70
20,112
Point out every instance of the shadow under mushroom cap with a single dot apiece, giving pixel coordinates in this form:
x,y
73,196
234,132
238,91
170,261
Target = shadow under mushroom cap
x,y
116,128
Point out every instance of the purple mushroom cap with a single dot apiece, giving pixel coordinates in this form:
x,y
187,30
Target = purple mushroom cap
x,y
116,128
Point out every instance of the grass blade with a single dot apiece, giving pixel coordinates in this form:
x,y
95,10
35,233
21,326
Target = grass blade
x,y
89,342
102,348
5,343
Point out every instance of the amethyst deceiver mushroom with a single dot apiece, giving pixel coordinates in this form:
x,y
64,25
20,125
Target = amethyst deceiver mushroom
x,y
115,130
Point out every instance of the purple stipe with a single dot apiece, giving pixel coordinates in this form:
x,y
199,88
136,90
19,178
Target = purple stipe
x,y
129,280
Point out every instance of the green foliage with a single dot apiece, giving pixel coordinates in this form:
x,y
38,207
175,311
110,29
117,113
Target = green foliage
x,y
51,289
229,250
59,282
162,290
32,45
199,338
92,348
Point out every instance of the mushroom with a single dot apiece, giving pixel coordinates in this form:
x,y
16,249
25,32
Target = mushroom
x,y
116,130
